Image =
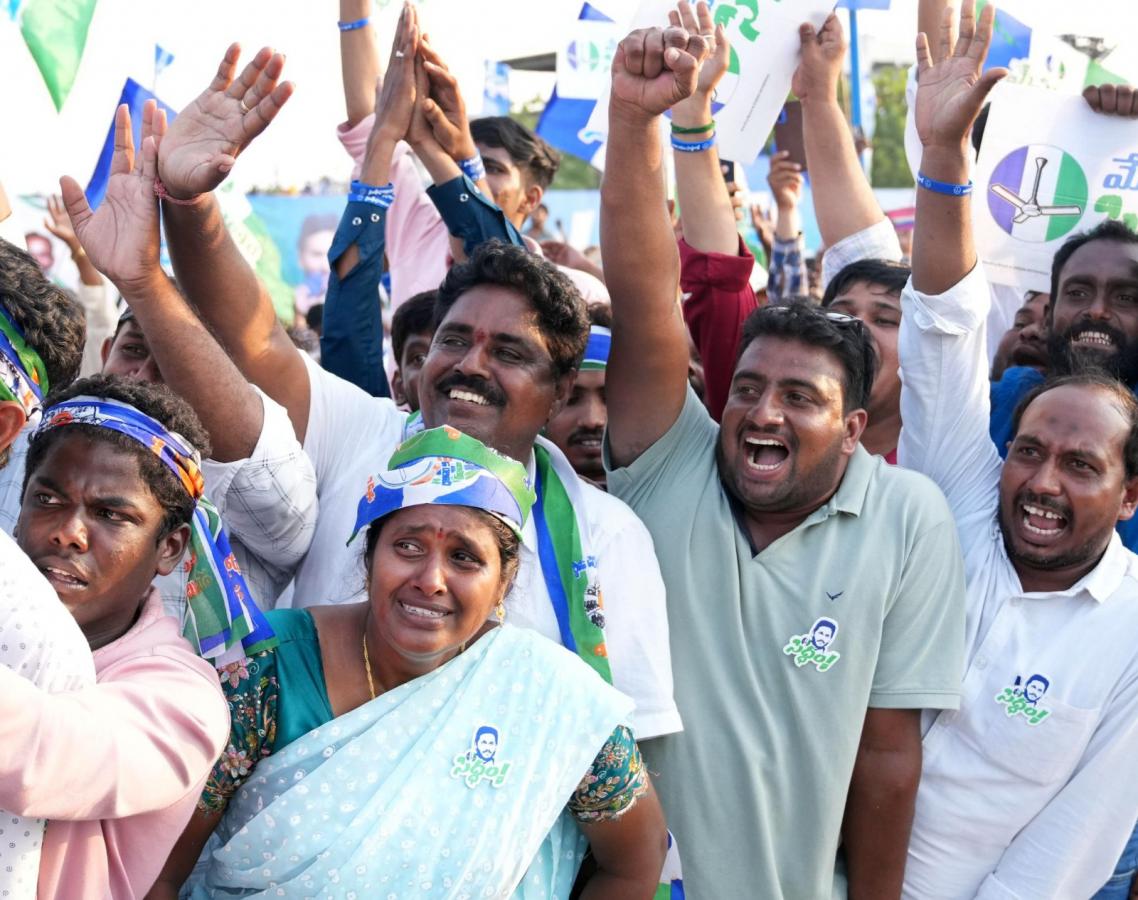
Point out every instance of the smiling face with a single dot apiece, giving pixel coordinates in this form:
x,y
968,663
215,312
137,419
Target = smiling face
x,y
1094,314
880,312
92,526
128,354
1025,343
1064,485
580,426
784,440
435,577
490,373
1034,690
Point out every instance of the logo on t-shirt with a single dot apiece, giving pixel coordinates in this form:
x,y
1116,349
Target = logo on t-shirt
x,y
480,762
813,647
1024,700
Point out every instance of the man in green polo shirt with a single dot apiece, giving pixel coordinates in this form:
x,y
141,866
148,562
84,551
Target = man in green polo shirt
x,y
815,593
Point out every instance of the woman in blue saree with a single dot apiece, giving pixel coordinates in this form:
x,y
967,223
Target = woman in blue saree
x,y
414,745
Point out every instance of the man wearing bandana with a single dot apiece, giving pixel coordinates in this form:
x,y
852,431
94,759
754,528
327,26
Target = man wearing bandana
x,y
41,343
113,499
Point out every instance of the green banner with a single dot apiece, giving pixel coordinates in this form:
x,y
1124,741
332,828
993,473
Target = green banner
x,y
56,33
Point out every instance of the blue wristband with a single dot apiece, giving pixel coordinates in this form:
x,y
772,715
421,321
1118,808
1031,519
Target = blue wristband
x,y
685,147
382,197
944,187
472,168
352,26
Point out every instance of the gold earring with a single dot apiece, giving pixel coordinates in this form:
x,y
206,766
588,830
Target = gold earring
x,y
500,612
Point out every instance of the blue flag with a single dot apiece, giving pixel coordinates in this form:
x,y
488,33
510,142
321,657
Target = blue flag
x,y
162,59
134,96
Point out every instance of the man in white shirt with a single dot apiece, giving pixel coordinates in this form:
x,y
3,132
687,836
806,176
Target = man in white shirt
x,y
41,341
511,332
1020,792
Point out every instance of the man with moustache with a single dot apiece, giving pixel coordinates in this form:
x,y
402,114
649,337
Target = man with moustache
x,y
777,534
1019,793
580,426
510,333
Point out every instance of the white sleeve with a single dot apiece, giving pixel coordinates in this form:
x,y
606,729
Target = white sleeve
x,y
342,420
637,622
1071,848
913,148
878,241
98,304
1006,301
268,501
945,405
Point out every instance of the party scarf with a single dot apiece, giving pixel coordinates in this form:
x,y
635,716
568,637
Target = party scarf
x,y
221,621
597,349
564,550
23,375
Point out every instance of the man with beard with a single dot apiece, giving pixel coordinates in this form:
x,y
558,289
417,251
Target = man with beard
x,y
1020,794
1092,325
804,574
580,426
510,333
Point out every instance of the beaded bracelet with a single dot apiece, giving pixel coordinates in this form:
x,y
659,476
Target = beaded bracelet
x,y
352,26
944,187
698,129
382,197
473,168
685,147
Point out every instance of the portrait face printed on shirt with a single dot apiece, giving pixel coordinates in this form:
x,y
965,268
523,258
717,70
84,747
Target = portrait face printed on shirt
x,y
580,426
1064,485
784,439
435,576
1035,688
1094,313
880,312
1025,343
127,353
93,527
486,744
490,372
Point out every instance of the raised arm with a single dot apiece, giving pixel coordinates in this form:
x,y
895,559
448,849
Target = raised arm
x,y
787,268
646,382
360,65
705,205
121,239
843,200
197,152
942,347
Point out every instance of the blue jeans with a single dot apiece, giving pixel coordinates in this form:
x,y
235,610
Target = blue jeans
x,y
1118,888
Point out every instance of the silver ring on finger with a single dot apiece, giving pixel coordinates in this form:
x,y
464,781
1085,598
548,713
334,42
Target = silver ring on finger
x,y
244,107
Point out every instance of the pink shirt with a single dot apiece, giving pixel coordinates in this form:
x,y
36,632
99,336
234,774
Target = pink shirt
x,y
116,767
418,243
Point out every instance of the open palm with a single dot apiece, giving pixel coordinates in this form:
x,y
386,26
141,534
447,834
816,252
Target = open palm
x,y
203,142
121,236
951,92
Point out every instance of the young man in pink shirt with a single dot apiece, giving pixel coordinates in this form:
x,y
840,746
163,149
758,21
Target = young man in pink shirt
x,y
111,490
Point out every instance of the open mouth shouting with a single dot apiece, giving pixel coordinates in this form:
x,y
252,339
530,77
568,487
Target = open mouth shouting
x,y
1041,524
765,454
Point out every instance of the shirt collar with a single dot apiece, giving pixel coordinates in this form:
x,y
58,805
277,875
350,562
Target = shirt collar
x,y
1104,579
529,530
850,495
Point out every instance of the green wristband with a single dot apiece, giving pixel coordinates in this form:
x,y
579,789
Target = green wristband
x,y
699,129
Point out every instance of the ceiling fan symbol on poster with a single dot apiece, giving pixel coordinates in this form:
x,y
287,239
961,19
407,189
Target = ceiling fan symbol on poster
x,y
1029,208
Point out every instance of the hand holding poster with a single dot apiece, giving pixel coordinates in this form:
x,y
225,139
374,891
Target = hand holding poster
x,y
1048,166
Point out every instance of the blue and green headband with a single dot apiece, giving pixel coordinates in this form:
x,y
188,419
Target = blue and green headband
x,y
443,465
23,375
597,350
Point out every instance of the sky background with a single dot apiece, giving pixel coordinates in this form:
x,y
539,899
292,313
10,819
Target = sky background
x,y
37,144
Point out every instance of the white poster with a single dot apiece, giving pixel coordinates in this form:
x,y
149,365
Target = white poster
x,y
584,62
1048,168
764,54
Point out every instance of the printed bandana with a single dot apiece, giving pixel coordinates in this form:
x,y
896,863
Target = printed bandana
x,y
221,615
443,465
23,376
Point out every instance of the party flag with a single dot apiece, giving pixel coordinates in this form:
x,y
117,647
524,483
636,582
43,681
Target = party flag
x,y
56,33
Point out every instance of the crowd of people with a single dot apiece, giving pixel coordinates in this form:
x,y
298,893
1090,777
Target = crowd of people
x,y
549,585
